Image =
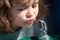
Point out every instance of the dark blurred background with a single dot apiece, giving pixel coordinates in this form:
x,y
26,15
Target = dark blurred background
x,y
53,16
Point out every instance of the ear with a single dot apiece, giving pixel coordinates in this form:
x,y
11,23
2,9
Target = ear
x,y
7,3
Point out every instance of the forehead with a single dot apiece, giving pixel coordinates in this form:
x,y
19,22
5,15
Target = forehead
x,y
23,2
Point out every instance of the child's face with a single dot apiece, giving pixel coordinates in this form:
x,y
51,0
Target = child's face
x,y
24,16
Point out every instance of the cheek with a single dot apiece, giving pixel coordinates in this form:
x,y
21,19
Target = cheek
x,y
36,11
18,19
22,14
18,14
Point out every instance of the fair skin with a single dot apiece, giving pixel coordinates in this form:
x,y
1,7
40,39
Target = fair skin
x,y
24,16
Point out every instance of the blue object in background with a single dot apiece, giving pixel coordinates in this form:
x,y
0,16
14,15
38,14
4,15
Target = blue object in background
x,y
53,17
57,16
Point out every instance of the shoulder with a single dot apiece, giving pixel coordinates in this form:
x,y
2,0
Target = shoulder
x,y
50,37
54,36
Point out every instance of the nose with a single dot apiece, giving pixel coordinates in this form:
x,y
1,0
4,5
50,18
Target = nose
x,y
29,12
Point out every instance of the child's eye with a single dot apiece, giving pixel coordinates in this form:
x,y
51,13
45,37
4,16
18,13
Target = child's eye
x,y
34,5
21,9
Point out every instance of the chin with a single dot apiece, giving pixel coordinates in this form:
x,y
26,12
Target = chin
x,y
30,25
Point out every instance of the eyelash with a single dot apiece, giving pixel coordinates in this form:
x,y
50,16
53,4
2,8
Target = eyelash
x,y
34,5
22,9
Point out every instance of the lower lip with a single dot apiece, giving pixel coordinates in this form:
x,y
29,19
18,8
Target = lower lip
x,y
30,21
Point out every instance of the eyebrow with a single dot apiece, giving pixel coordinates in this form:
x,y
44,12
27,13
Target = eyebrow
x,y
35,2
32,3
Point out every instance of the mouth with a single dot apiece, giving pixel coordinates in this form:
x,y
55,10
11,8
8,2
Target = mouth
x,y
30,21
